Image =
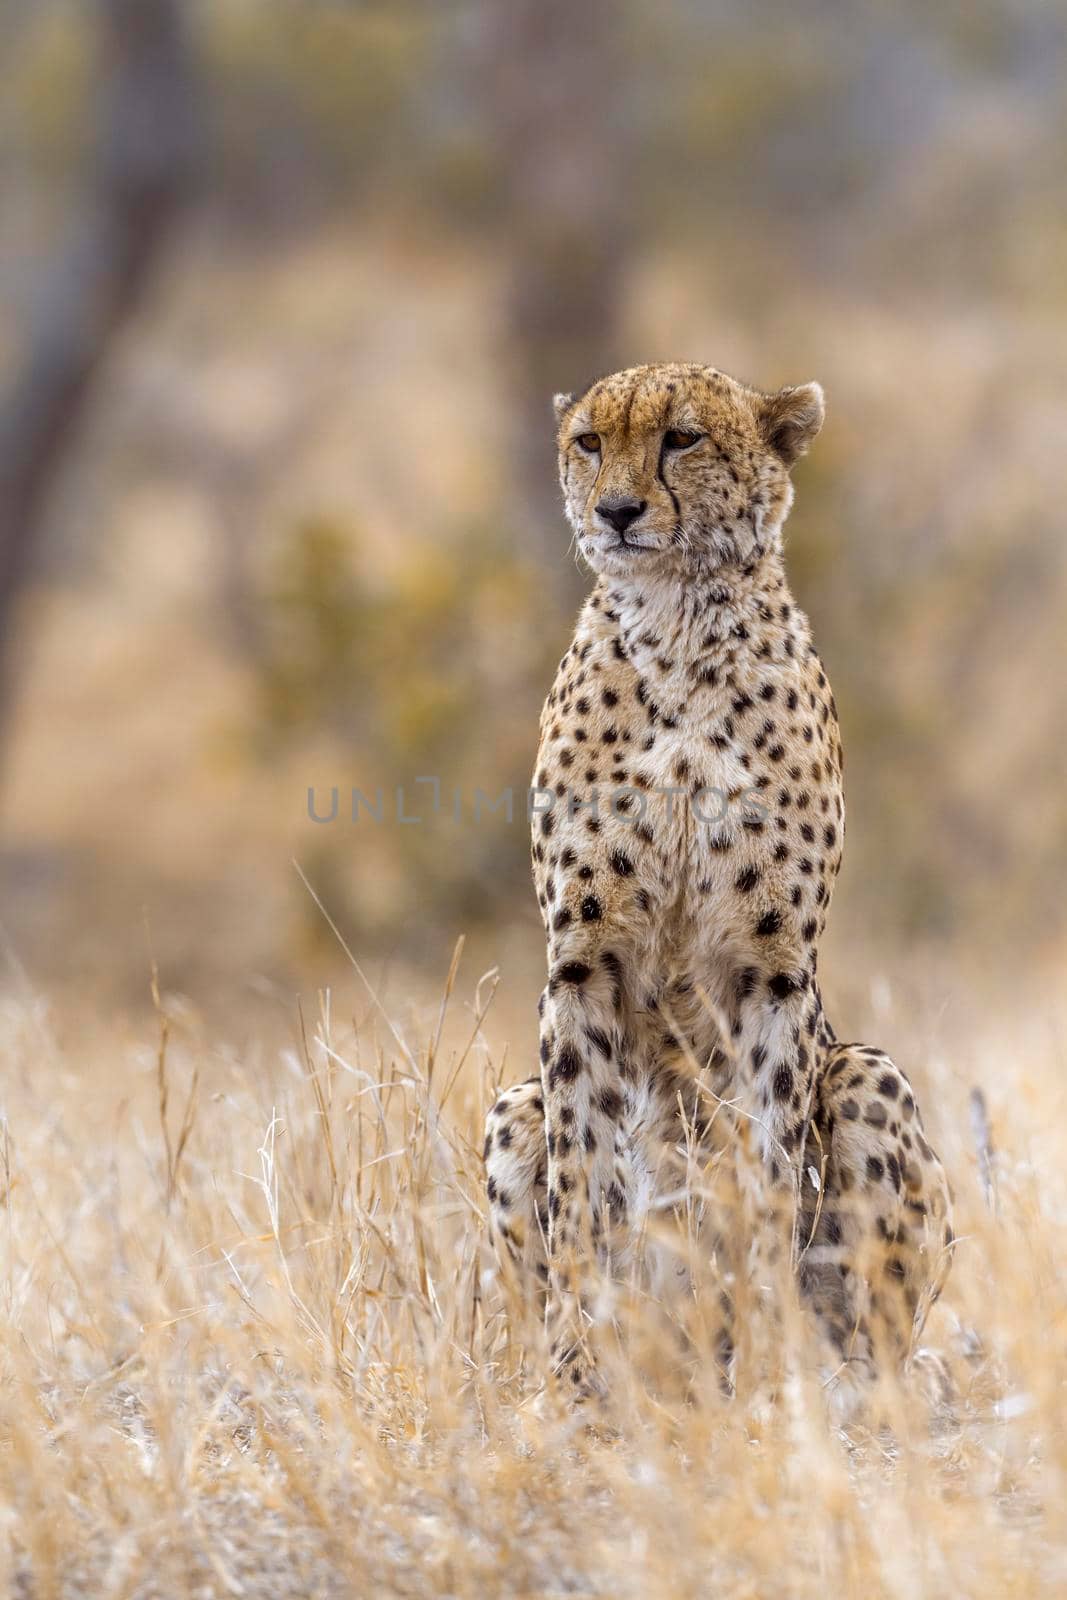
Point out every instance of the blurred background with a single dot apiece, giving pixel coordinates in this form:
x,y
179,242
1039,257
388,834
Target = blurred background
x,y
285,290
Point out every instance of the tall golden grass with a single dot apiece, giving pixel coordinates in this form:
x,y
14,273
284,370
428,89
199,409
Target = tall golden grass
x,y
253,1344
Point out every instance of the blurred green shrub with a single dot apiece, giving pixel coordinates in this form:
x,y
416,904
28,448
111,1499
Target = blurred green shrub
x,y
429,670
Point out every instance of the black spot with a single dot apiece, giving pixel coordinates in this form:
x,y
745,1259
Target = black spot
x,y
600,1040
592,910
887,1085
621,863
770,923
561,919
747,879
782,985
783,1081
610,1103
573,972
567,1065
875,1169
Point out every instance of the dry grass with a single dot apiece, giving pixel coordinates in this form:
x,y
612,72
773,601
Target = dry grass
x,y
252,1345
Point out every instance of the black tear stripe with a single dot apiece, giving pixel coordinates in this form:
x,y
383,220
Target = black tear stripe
x,y
666,485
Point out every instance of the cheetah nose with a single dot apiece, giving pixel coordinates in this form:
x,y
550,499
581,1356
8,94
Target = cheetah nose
x,y
620,510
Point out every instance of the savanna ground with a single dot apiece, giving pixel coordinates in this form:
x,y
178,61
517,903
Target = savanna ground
x,y
253,1343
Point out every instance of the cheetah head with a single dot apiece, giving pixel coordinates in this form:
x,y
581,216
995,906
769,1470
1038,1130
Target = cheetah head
x,y
679,470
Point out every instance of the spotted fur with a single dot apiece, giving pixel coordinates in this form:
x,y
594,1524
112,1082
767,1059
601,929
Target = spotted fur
x,y
688,834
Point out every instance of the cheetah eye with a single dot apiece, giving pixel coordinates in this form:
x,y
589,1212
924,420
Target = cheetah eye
x,y
589,442
681,439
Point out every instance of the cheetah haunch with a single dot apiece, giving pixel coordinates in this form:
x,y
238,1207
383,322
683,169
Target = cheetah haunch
x,y
686,840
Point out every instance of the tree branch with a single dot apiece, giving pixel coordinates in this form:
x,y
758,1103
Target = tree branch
x,y
146,154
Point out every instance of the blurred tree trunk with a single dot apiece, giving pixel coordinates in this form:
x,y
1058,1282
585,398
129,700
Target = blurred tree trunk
x,y
561,104
146,148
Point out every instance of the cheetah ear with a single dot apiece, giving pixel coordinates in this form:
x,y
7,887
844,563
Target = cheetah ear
x,y
561,404
790,419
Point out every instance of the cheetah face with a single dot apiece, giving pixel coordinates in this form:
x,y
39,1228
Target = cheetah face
x,y
678,470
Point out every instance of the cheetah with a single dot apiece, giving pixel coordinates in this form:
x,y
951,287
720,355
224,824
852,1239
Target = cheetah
x,y
687,825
